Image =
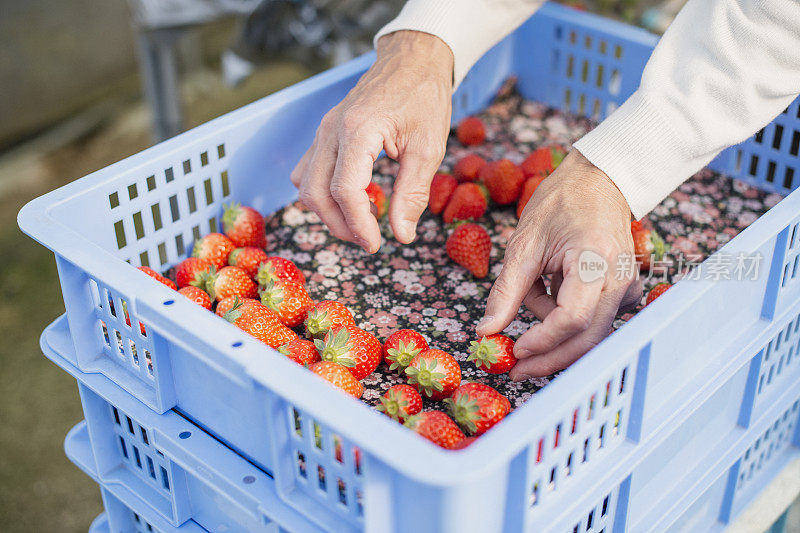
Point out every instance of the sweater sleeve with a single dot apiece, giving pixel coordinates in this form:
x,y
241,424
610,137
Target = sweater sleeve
x,y
723,70
469,27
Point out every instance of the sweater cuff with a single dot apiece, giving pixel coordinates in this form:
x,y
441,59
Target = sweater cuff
x,y
435,18
641,149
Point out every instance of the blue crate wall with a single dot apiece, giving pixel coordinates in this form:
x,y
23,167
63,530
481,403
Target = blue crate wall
x,y
770,159
578,62
765,458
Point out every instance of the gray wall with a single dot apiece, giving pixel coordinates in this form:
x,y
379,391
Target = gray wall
x,y
57,56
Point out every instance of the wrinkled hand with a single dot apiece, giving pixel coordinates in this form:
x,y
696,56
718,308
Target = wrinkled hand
x,y
575,210
401,105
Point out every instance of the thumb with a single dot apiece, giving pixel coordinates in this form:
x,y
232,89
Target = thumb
x,y
411,191
510,288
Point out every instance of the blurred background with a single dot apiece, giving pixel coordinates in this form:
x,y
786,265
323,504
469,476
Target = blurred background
x,y
87,83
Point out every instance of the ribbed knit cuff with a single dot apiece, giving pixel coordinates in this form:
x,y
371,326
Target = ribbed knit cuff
x,y
435,18
642,151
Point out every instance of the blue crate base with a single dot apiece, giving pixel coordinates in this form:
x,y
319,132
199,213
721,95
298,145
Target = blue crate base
x,y
672,421
162,471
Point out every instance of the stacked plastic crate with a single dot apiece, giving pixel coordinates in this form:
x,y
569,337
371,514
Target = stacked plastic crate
x,y
674,422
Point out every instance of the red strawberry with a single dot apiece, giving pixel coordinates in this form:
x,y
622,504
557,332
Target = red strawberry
x,y
158,277
214,248
198,296
657,291
337,446
338,376
469,246
504,180
539,163
248,258
437,427
244,226
128,318
229,281
260,322
190,271
287,298
326,315
528,188
442,188
636,225
401,347
400,402
352,347
494,354
377,197
477,407
275,268
300,351
464,443
467,203
471,131
648,247
468,167
435,373
226,304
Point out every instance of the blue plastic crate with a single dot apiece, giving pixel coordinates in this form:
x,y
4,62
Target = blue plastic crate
x,y
161,471
687,384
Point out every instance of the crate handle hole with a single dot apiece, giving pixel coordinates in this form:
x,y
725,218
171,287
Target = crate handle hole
x,y
169,302
248,480
184,434
236,344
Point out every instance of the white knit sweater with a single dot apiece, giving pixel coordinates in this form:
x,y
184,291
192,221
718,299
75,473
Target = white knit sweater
x,y
723,70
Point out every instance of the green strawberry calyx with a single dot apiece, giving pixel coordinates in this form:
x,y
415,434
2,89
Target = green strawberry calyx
x,y
393,405
402,355
271,296
265,274
231,213
413,420
317,323
207,281
336,349
658,244
425,377
465,411
484,353
234,312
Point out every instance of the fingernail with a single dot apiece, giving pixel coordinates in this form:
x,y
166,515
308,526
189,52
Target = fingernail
x,y
484,321
410,230
522,353
520,377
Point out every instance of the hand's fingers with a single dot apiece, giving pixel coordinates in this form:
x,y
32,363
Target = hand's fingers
x,y
315,191
633,296
352,174
411,190
521,268
577,303
538,301
300,170
555,283
572,349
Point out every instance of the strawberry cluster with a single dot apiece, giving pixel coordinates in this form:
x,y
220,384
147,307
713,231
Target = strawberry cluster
x,y
475,184
232,275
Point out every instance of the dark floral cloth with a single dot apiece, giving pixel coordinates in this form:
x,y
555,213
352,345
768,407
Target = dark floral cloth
x,y
417,286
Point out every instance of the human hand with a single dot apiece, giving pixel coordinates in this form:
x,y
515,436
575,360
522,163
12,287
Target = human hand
x,y
574,213
401,105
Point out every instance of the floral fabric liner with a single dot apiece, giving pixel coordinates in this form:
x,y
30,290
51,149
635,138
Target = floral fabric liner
x,y
417,286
